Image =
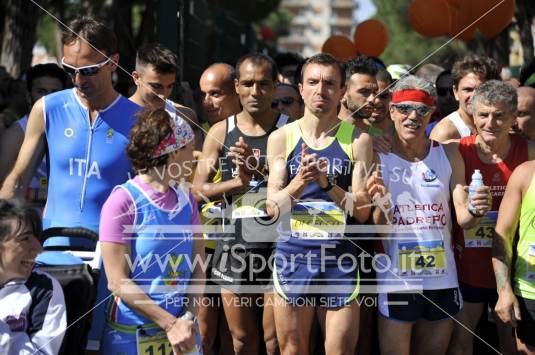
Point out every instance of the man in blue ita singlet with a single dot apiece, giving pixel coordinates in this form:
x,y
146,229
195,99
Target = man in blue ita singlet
x,y
86,131
416,271
317,187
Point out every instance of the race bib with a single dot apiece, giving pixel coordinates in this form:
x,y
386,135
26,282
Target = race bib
x,y
152,342
317,220
481,235
423,258
252,204
530,263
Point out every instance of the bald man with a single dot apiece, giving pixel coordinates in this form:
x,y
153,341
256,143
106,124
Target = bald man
x,y
219,101
219,98
525,120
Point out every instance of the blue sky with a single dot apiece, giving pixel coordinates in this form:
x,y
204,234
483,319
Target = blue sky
x,y
366,9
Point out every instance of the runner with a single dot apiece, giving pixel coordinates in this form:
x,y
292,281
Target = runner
x,y
148,266
237,146
41,80
380,117
317,168
496,154
525,119
85,129
219,97
516,305
359,99
468,74
288,101
219,101
155,77
369,108
418,288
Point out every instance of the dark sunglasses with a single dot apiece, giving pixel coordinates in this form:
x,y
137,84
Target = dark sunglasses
x,y
285,101
89,70
444,91
406,109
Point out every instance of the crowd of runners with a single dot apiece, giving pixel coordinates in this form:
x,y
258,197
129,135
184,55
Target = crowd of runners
x,y
306,206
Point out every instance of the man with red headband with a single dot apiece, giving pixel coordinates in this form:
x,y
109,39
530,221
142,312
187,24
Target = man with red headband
x,y
416,272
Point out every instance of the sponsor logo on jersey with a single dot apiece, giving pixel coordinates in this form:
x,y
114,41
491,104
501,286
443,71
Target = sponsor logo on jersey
x,y
429,176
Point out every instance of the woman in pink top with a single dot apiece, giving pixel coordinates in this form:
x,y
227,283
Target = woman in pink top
x,y
151,245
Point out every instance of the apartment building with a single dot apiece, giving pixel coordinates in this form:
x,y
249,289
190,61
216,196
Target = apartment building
x,y
314,21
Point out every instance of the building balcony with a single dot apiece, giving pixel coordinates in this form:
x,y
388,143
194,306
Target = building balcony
x,y
341,22
291,40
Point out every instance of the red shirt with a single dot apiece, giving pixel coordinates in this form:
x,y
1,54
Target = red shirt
x,y
473,249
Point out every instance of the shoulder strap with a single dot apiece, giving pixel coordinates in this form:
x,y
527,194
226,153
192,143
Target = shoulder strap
x,y
231,123
458,122
293,134
344,136
281,120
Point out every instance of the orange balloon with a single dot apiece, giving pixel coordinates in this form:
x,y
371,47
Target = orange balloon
x,y
371,38
431,18
340,47
460,25
497,19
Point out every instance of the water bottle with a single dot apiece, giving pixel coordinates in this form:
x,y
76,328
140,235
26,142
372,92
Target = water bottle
x,y
477,181
197,349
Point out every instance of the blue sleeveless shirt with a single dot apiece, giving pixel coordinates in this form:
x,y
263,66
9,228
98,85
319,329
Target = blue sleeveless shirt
x,y
339,155
160,258
86,161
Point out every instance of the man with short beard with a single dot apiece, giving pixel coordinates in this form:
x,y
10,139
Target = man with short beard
x,y
468,74
379,121
359,99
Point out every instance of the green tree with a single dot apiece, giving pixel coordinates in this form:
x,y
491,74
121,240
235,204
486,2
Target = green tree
x,y
405,46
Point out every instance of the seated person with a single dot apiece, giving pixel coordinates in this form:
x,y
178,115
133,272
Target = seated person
x,y
32,308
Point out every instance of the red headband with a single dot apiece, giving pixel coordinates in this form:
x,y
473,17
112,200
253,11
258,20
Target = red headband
x,y
413,95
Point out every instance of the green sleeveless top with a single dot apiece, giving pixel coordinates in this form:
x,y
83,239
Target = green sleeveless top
x,y
525,262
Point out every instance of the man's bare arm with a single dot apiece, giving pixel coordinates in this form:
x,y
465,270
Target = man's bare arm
x,y
33,145
506,226
281,195
444,131
457,185
507,308
207,167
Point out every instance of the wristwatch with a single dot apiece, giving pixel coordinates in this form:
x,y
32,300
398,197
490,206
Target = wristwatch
x,y
328,187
